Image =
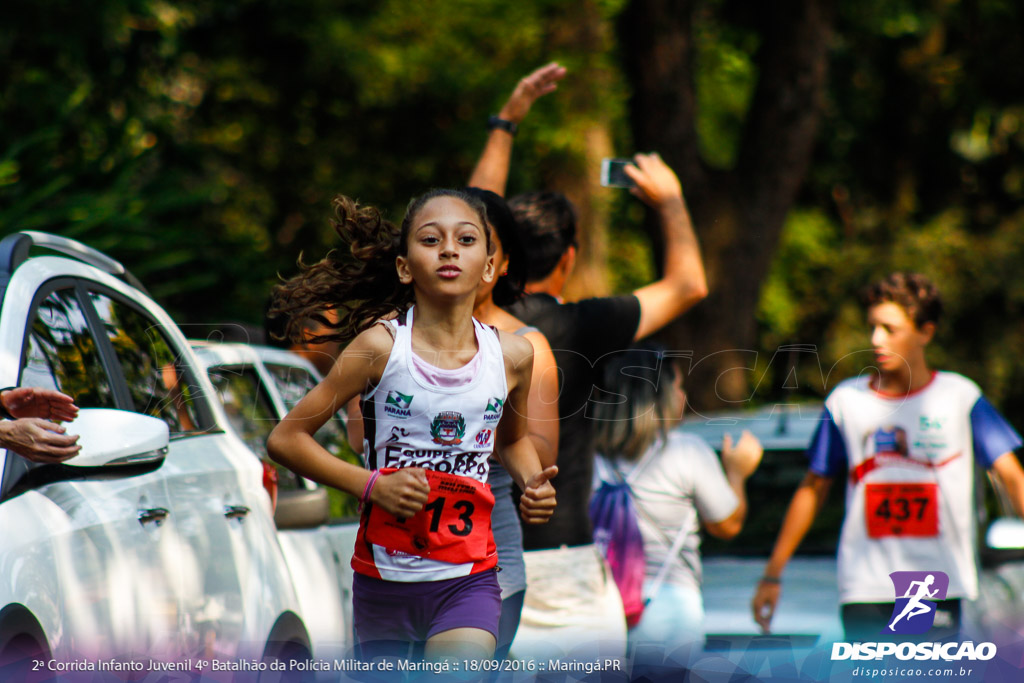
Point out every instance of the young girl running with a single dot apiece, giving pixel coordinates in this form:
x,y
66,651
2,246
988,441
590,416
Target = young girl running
x,y
439,392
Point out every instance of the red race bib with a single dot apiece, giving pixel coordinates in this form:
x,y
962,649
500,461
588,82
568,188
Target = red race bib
x,y
901,510
454,526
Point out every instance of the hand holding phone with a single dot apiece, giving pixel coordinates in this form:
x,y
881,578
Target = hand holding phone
x,y
613,173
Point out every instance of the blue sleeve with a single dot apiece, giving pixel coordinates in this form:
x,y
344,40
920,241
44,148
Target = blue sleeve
x,y
827,451
992,434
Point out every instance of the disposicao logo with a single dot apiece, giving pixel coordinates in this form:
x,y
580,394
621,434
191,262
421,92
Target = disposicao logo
x,y
914,613
916,594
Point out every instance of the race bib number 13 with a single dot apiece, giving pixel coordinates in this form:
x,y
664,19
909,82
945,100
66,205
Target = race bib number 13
x,y
902,510
454,526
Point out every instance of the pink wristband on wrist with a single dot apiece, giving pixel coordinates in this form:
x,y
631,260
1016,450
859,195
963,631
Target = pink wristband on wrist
x,y
369,487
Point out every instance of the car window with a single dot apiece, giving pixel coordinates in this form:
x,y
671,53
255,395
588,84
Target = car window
x,y
250,412
61,354
158,382
248,407
293,383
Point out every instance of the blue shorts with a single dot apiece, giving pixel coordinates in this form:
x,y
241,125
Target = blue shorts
x,y
395,611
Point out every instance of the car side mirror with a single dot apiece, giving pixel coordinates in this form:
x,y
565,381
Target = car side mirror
x,y
1006,533
111,437
1004,542
302,509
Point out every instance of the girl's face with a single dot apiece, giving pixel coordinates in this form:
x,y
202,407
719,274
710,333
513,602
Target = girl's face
x,y
500,268
447,250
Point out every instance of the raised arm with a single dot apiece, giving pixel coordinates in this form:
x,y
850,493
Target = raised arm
x,y
491,172
804,507
683,282
739,461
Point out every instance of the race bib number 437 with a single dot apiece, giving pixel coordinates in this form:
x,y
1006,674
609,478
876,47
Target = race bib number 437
x,y
454,526
902,509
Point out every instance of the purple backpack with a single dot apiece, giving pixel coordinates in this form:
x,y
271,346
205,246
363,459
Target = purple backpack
x,y
617,536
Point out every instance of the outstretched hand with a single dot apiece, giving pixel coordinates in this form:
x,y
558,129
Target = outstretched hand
x,y
537,503
766,597
531,88
743,457
402,493
38,440
37,402
656,183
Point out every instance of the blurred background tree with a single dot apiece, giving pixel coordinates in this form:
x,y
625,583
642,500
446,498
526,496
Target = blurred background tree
x,y
820,144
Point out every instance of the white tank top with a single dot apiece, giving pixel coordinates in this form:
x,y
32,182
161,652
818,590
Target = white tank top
x,y
411,422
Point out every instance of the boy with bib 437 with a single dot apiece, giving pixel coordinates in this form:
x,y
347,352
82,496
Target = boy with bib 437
x,y
905,442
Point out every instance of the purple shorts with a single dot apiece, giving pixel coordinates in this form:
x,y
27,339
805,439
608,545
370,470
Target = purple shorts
x,y
414,612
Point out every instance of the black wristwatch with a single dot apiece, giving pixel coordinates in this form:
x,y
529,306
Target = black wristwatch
x,y
506,125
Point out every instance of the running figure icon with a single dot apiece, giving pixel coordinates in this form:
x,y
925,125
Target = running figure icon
x,y
914,606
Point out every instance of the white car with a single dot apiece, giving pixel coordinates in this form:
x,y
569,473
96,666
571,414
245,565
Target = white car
x,y
158,540
257,386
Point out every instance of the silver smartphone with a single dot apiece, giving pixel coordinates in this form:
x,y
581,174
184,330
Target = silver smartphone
x,y
613,173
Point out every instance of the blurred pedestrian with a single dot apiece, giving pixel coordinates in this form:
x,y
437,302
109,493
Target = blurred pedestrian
x,y
904,440
570,600
677,486
542,405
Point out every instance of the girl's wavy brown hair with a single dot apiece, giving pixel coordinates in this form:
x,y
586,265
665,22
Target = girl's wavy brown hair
x,y
358,280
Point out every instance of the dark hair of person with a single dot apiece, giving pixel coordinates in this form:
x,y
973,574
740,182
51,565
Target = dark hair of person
x,y
509,287
357,280
547,221
914,293
637,404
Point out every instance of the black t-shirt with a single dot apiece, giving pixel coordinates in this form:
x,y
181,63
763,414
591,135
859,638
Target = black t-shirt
x,y
581,334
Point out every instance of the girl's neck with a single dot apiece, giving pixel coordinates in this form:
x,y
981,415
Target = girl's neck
x,y
444,335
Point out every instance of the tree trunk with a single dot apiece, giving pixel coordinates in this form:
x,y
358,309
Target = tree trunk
x,y
578,28
738,214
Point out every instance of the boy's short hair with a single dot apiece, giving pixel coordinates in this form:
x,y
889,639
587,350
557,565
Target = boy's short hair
x,y
548,223
914,293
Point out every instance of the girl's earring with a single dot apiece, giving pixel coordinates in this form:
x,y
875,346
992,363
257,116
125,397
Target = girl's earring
x,y
504,272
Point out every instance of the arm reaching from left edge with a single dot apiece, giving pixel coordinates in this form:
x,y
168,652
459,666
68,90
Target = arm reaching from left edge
x,y
37,402
491,171
513,445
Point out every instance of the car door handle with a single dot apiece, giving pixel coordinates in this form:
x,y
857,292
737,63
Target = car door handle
x,y
153,515
235,511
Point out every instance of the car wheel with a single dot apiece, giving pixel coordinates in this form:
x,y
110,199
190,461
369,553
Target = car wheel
x,y
23,649
289,645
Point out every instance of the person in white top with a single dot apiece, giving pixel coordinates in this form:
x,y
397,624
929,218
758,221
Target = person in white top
x,y
440,392
677,483
905,442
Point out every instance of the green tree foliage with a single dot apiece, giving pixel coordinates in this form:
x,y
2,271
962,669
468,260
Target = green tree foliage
x,y
200,142
919,167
